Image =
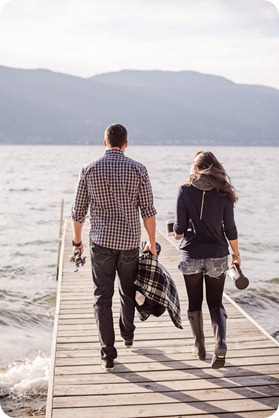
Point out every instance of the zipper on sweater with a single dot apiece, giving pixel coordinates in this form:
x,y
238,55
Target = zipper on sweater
x,y
202,204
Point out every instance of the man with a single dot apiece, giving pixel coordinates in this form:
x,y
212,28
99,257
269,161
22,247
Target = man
x,y
115,188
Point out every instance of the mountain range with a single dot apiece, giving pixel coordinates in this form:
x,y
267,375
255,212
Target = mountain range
x,y
157,107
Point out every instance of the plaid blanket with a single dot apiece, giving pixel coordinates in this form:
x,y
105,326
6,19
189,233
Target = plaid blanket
x,y
156,284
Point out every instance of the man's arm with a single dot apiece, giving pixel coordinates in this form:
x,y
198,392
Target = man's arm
x,y
77,235
150,226
79,210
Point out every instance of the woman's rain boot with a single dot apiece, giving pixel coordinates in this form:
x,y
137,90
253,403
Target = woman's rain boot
x,y
196,322
218,319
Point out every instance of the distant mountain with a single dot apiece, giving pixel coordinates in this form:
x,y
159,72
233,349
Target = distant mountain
x,y
157,107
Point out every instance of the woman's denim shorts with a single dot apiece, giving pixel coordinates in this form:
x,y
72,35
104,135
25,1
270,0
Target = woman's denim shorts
x,y
213,267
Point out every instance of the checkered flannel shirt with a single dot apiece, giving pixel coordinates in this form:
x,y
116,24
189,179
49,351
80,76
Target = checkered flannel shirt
x,y
115,188
156,284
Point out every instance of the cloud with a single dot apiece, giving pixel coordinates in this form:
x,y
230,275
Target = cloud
x,y
275,3
88,36
3,3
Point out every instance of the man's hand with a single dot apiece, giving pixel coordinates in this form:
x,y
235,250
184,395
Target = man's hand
x,y
150,226
80,248
151,248
77,236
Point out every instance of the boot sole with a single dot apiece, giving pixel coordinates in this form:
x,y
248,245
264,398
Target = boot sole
x,y
219,359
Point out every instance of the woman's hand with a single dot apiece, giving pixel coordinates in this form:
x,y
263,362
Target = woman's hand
x,y
178,236
236,259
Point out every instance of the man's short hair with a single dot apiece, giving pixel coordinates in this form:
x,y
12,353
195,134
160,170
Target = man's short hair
x,y
116,135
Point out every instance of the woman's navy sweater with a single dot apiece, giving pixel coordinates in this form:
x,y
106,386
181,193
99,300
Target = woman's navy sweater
x,y
206,219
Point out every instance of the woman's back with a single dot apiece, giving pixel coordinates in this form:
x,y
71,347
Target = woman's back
x,y
202,216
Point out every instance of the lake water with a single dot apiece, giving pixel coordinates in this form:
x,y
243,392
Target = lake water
x,y
34,180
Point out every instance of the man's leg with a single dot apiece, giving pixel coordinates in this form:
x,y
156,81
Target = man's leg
x,y
103,272
127,267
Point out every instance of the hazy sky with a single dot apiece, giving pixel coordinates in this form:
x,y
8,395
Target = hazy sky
x,y
238,39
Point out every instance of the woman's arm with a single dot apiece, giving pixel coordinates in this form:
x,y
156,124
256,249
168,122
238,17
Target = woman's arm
x,y
235,252
231,231
181,218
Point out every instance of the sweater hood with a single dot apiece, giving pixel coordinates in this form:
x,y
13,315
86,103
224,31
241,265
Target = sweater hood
x,y
202,184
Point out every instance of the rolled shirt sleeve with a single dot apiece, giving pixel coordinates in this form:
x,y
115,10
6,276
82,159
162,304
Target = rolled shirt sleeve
x,y
81,201
145,199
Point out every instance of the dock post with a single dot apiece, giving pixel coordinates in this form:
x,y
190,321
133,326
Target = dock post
x,y
60,237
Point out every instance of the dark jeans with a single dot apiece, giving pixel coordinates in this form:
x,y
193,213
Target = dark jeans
x,y
214,290
105,263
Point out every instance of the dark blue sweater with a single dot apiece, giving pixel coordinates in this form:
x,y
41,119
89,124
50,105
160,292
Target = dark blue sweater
x,y
205,237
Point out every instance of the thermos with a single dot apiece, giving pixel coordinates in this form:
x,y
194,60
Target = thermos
x,y
235,273
169,225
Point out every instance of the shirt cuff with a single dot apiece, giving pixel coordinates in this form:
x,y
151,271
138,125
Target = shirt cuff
x,y
80,219
177,230
147,213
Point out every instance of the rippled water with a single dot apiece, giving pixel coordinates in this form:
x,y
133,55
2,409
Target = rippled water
x,y
34,180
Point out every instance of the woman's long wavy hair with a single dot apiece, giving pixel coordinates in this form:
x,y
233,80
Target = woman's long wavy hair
x,y
205,166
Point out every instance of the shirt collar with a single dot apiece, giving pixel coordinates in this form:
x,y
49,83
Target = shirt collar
x,y
114,152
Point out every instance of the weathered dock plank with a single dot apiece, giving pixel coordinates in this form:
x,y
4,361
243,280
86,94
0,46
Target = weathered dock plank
x,y
158,377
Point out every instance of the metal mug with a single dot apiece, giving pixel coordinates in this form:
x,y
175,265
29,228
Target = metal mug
x,y
235,273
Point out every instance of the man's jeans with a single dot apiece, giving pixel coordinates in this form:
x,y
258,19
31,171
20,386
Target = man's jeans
x,y
105,263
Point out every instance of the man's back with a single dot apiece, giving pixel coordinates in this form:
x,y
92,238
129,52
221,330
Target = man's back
x,y
115,187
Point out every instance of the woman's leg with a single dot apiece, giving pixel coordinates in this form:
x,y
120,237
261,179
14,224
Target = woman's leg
x,y
214,291
194,286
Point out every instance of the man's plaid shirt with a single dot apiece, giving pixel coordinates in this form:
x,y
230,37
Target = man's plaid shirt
x,y
157,285
115,188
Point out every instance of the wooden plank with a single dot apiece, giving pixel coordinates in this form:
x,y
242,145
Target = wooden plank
x,y
166,365
168,385
185,396
162,375
89,334
89,357
170,409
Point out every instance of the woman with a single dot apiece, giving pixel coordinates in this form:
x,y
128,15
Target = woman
x,y
205,222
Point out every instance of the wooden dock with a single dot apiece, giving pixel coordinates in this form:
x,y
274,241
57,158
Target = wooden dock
x,y
158,377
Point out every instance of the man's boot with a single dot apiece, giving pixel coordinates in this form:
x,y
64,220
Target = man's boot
x,y
196,322
218,319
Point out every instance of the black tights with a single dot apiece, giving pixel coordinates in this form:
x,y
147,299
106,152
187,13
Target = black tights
x,y
214,291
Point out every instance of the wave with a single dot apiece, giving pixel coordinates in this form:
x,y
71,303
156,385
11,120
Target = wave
x,y
38,242
12,272
20,310
25,189
262,302
25,379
